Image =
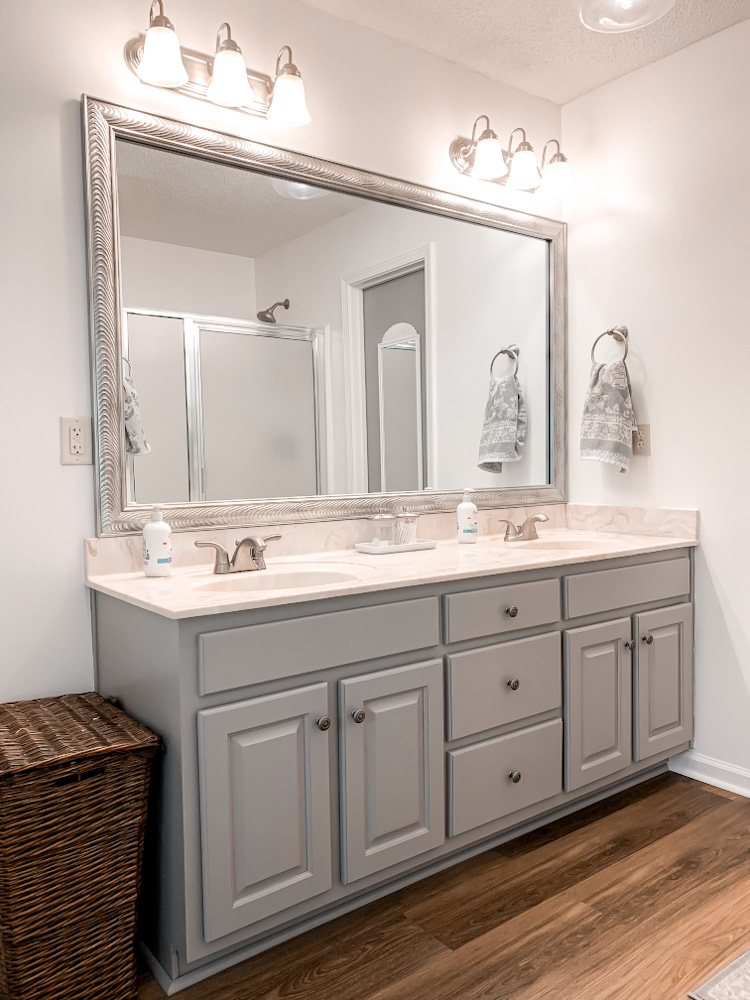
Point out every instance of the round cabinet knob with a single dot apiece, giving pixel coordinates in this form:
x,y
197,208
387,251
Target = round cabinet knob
x,y
512,611
648,639
323,724
515,776
630,645
359,715
515,684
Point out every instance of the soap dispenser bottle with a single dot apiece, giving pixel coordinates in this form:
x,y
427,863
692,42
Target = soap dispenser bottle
x,y
157,546
466,519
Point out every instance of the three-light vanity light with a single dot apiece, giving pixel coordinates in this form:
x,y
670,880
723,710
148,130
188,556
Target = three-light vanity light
x,y
158,59
483,156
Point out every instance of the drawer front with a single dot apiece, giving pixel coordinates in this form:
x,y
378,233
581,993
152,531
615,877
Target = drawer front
x,y
480,785
233,658
610,589
500,684
491,612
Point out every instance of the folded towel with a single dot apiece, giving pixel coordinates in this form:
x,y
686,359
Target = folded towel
x,y
504,429
135,439
608,417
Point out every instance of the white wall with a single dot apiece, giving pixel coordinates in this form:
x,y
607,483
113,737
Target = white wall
x,y
375,103
658,240
490,290
184,279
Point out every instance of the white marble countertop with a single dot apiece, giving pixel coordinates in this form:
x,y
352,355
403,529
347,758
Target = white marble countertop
x,y
193,591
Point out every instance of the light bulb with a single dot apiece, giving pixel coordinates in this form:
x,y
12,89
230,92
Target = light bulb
x,y
489,162
557,181
161,64
229,85
524,173
611,16
288,105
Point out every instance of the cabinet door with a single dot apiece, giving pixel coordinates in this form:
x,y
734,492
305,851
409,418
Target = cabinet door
x,y
265,807
393,785
598,702
663,694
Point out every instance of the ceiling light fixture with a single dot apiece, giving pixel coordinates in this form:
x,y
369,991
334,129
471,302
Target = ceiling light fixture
x,y
157,59
483,156
162,64
229,85
288,105
613,16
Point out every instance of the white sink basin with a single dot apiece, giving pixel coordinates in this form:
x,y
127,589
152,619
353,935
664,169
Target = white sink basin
x,y
564,544
296,578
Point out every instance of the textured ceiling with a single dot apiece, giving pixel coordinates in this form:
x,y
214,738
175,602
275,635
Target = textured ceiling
x,y
538,46
180,199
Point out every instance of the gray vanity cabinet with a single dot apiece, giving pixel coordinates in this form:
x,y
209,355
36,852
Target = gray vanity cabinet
x,y
663,705
265,806
598,702
392,784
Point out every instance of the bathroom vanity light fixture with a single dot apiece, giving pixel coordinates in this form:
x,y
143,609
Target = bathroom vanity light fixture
x,y
613,16
288,104
162,64
157,59
229,85
483,156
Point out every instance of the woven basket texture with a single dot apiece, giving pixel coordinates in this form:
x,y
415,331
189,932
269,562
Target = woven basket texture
x,y
74,778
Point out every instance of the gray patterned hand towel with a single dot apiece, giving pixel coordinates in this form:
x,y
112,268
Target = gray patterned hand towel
x,y
135,439
608,417
504,429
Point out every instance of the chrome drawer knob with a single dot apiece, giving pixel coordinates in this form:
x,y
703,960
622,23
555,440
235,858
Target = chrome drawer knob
x,y
512,611
648,639
323,724
515,776
514,684
630,645
358,715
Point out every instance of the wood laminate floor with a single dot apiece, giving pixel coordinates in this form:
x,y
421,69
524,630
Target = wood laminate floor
x,y
640,897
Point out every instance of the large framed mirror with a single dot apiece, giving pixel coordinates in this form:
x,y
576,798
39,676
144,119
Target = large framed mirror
x,y
280,338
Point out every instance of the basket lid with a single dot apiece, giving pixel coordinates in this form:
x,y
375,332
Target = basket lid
x,y
48,731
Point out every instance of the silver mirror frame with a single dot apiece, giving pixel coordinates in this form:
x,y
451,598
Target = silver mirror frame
x,y
104,123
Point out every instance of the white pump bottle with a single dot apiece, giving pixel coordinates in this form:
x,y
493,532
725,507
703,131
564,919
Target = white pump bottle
x,y
466,519
157,546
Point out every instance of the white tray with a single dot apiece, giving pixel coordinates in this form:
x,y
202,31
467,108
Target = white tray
x,y
382,550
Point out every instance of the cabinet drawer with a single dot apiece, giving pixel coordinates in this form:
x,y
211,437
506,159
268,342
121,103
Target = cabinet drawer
x,y
482,692
235,657
489,612
610,589
479,783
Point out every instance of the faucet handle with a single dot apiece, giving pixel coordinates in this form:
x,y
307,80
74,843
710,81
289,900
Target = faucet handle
x,y
511,531
272,538
221,565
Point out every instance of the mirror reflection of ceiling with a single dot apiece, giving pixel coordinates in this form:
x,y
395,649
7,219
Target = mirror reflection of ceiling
x,y
189,202
538,46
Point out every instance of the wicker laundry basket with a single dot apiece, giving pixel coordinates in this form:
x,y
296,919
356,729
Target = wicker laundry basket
x,y
74,777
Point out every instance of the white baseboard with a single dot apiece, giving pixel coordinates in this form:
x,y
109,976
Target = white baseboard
x,y
712,771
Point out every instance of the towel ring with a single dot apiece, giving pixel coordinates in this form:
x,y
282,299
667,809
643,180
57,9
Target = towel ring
x,y
512,352
618,333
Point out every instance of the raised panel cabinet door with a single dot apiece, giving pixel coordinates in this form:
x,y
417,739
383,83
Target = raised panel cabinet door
x,y
393,774
663,692
265,806
598,702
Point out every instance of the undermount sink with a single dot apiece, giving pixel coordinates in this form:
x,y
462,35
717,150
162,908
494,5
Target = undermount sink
x,y
563,544
299,578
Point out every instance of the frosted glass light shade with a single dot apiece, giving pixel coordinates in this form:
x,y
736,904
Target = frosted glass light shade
x,y
161,64
489,162
612,16
524,173
557,181
229,85
288,105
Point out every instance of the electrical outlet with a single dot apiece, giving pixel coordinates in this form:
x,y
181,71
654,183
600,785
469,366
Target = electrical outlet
x,y
642,440
75,441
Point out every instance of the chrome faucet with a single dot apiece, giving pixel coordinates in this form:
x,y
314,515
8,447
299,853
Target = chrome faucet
x,y
527,532
248,555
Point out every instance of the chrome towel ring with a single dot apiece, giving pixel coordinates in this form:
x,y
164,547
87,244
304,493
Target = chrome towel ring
x,y
618,333
512,351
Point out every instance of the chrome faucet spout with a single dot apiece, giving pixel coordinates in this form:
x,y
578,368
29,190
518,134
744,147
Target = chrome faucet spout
x,y
528,531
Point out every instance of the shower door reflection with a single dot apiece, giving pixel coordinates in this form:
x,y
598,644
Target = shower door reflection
x,y
400,406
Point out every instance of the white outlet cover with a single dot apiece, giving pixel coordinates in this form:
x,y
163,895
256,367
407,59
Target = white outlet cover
x,y
75,441
642,441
